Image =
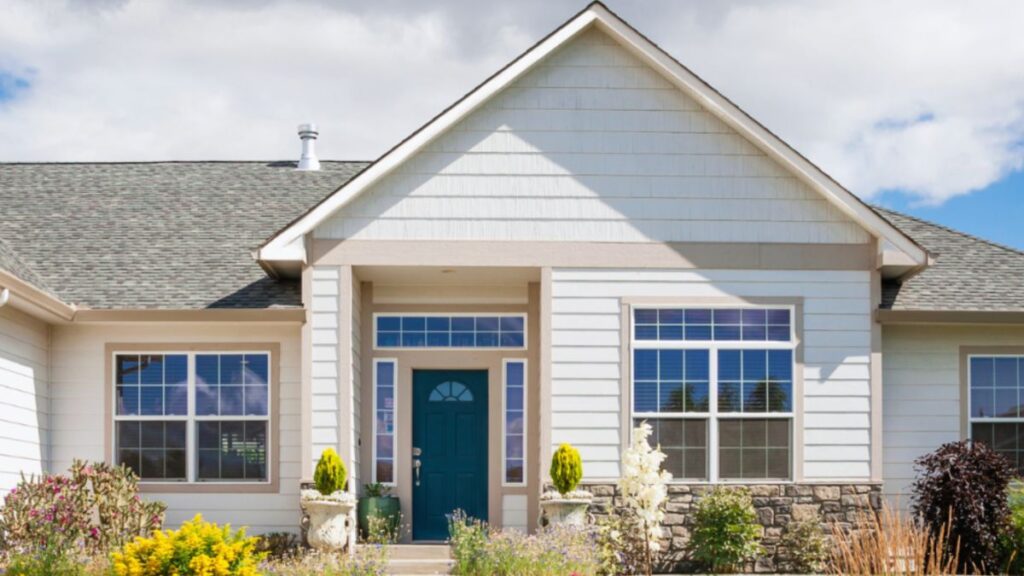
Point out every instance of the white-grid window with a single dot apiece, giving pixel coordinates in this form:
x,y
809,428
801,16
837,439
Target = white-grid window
x,y
193,417
514,422
385,405
441,331
996,404
716,385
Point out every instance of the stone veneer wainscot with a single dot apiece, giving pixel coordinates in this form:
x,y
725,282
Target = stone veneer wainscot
x,y
776,506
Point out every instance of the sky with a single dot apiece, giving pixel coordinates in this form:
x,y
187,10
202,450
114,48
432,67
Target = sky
x,y
917,105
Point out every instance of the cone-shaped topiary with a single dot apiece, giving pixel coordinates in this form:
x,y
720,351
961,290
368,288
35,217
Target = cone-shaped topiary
x,y
330,474
566,469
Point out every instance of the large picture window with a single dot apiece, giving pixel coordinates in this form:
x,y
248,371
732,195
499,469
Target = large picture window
x,y
996,407
716,386
193,417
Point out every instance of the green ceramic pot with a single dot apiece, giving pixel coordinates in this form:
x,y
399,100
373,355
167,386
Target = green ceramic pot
x,y
386,507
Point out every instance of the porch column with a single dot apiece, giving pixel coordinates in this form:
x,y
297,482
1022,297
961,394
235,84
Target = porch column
x,y
544,384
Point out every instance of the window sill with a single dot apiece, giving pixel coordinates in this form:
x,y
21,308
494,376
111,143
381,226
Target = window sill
x,y
209,487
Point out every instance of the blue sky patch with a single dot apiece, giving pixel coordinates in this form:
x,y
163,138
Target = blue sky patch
x,y
895,124
994,213
12,85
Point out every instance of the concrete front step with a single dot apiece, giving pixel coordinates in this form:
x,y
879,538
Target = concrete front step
x,y
418,559
402,567
418,552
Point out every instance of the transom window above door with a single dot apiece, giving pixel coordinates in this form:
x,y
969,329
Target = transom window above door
x,y
450,331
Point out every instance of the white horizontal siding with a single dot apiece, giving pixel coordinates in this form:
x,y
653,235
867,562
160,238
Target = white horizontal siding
x,y
586,357
77,389
24,397
325,369
921,392
592,145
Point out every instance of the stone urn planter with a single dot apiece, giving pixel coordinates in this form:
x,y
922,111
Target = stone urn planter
x,y
330,519
571,509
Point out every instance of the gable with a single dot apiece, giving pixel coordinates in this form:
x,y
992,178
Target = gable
x,y
592,145
898,254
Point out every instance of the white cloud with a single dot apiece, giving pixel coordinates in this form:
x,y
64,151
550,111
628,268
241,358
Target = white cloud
x,y
920,95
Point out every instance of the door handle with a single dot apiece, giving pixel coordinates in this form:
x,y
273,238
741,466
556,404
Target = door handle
x,y
416,464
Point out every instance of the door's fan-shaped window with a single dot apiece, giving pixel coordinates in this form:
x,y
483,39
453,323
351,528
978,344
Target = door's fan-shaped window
x,y
451,392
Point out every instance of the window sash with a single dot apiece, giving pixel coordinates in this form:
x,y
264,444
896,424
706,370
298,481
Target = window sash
x,y
713,415
449,331
191,418
377,362
504,422
972,419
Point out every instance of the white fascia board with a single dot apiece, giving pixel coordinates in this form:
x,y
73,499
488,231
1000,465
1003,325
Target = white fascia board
x,y
275,249
767,142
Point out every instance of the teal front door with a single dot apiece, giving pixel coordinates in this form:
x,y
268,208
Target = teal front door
x,y
449,438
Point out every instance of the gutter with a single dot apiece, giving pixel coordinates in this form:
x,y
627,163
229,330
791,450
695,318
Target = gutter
x,y
15,289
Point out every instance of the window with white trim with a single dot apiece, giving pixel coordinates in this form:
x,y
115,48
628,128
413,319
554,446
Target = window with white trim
x,y
716,386
996,406
385,394
514,422
193,417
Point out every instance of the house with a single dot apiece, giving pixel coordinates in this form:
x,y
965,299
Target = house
x,y
590,238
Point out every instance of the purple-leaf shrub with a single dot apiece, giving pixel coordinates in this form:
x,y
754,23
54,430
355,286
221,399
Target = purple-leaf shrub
x,y
964,483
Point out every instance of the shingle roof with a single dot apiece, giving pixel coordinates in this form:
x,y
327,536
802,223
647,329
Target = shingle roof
x,y
10,262
171,235
179,235
969,273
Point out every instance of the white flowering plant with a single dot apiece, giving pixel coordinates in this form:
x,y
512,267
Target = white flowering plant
x,y
644,488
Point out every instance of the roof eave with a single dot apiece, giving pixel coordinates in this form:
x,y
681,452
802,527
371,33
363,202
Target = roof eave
x,y
978,317
34,300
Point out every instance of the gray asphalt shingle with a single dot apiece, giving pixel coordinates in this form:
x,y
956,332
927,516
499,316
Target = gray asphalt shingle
x,y
155,235
969,273
179,235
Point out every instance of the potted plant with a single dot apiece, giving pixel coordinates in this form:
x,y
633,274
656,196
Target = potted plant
x,y
329,507
565,505
378,511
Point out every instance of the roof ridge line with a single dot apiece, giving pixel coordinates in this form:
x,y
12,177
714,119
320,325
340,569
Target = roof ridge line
x,y
951,230
123,162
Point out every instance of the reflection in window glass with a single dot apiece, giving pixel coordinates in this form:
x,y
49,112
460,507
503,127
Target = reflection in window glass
x,y
384,421
451,331
996,389
515,422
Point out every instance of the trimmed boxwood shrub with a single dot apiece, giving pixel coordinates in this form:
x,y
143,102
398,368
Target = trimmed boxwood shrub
x,y
330,474
566,469
964,483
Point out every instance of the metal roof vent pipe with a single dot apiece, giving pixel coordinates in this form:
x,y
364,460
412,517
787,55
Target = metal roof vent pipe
x,y
308,160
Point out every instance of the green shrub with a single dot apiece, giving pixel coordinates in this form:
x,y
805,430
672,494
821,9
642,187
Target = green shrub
x,y
44,563
1013,538
376,490
330,475
726,531
90,510
566,469
806,548
964,484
